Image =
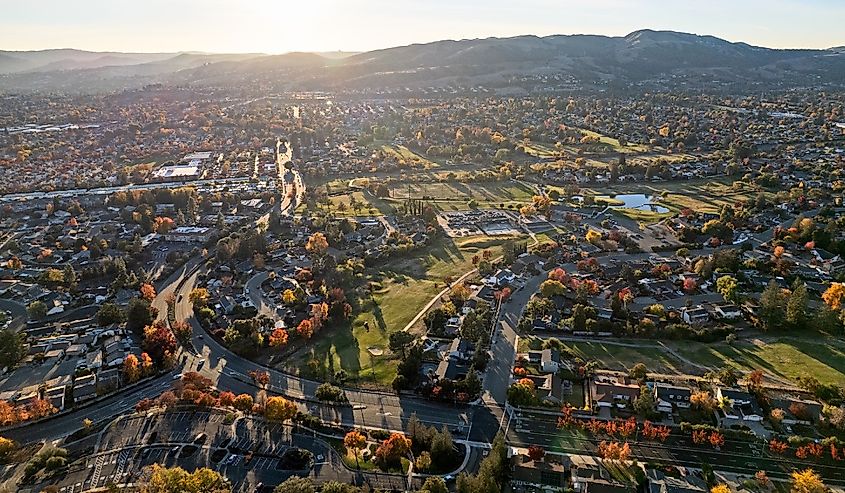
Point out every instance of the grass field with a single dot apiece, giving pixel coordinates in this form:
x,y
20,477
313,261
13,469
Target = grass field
x,y
405,286
783,358
454,196
403,154
786,357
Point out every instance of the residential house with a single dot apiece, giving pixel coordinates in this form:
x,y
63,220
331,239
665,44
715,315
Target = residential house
x,y
695,315
742,405
669,398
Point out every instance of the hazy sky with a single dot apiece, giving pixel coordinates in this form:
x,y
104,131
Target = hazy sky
x,y
277,26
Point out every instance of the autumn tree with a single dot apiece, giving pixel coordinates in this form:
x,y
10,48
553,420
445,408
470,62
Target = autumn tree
x,y
159,479
536,453
279,409
317,244
807,481
131,368
279,338
393,448
198,297
305,329
243,402
355,441
148,292
614,451
833,295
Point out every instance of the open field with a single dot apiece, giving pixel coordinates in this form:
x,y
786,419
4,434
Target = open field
x,y
403,288
453,196
784,359
403,154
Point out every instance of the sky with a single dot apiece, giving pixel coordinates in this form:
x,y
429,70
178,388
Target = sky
x,y
279,26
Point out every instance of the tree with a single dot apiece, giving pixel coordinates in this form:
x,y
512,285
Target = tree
x,y
399,341
720,488
296,484
460,292
317,244
796,308
355,441
833,295
728,287
148,292
442,447
536,453
521,393
593,236
807,481
158,479
139,314
551,287
198,297
6,447
644,403
434,484
289,297
305,329
772,302
110,313
131,368
729,375
159,342
12,348
423,462
279,409
37,310
279,338
614,451
639,372
243,402
393,448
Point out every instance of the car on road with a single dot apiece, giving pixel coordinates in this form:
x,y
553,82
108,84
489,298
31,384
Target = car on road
x,y
177,376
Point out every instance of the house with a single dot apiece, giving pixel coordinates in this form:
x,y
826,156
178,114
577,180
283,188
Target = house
x,y
460,349
695,315
670,397
743,406
552,471
727,311
85,388
660,482
188,234
608,394
548,360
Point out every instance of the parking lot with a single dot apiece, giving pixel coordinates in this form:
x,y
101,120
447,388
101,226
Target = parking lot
x,y
247,451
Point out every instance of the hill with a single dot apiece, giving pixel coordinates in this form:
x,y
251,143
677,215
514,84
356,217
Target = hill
x,y
494,62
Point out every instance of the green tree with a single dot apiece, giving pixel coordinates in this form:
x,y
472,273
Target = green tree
x,y
728,287
110,313
296,484
399,341
139,314
12,348
796,308
644,403
638,372
434,484
772,302
37,310
442,448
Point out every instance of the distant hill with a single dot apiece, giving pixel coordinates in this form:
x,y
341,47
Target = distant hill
x,y
639,56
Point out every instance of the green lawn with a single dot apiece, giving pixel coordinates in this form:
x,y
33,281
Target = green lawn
x,y
642,216
403,154
784,358
405,286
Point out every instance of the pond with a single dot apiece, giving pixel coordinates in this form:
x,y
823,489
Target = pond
x,y
634,201
629,201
